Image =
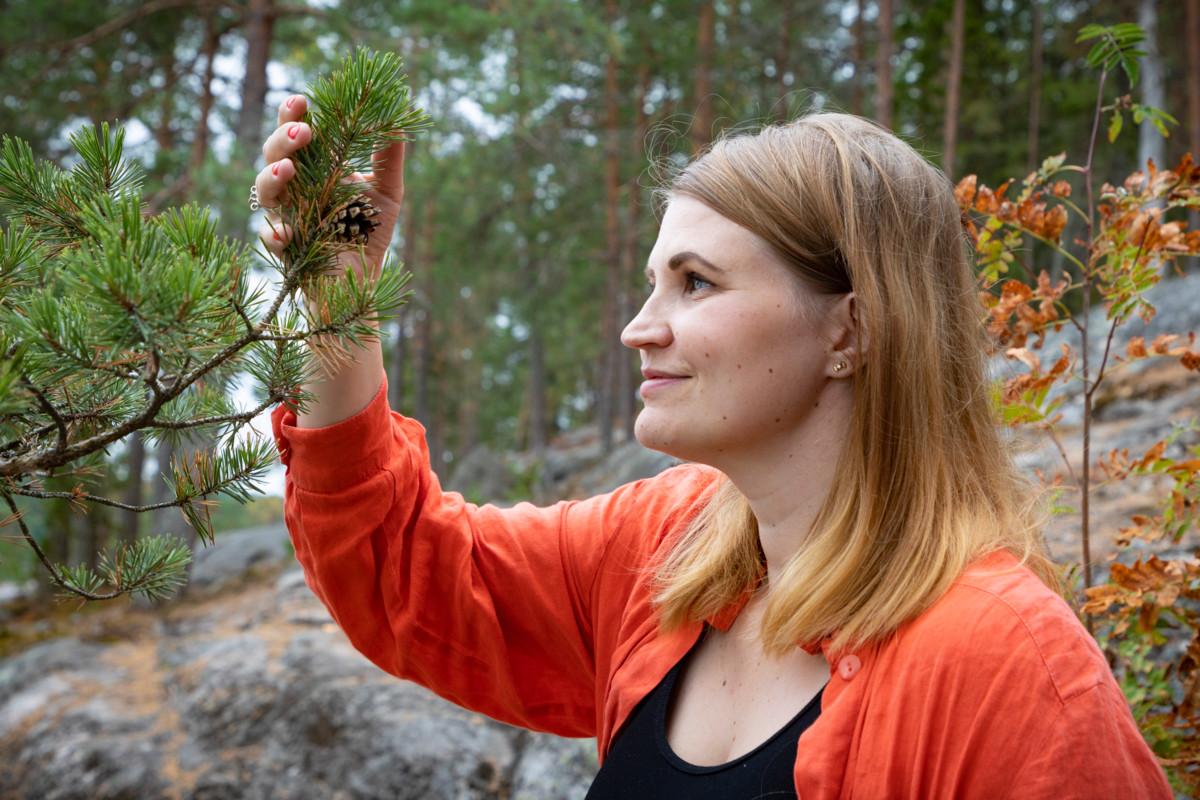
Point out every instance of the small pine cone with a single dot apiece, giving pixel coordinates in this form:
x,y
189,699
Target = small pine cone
x,y
352,223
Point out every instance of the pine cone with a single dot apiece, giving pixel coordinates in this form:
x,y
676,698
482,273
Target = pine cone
x,y
352,223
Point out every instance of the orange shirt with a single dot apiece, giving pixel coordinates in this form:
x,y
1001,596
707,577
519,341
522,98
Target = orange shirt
x,y
541,617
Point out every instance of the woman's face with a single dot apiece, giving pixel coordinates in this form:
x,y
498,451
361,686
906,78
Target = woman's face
x,y
728,317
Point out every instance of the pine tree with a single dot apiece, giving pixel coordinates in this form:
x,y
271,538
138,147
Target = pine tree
x,y
115,321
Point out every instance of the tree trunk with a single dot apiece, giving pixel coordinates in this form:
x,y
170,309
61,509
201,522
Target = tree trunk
x,y
609,343
212,41
1151,144
629,363
166,520
953,82
424,327
1193,91
95,536
883,65
537,393
702,127
134,494
782,64
398,363
858,54
1035,88
260,24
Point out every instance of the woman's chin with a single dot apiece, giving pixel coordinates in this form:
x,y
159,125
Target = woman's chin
x,y
664,439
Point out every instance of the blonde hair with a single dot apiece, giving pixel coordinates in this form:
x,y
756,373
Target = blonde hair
x,y
924,484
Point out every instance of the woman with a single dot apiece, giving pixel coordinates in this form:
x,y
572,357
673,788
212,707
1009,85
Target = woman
x,y
841,595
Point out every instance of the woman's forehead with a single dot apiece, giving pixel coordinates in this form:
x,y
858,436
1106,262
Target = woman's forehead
x,y
690,228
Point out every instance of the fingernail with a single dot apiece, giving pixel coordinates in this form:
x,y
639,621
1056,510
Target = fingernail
x,y
292,131
291,100
276,235
275,168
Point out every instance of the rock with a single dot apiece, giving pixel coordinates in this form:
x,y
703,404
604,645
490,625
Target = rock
x,y
550,766
481,476
235,552
233,701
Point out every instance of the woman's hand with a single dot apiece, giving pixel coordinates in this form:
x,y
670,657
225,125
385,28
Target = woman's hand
x,y
350,377
384,187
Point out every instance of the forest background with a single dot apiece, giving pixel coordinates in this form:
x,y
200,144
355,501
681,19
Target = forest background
x,y
528,211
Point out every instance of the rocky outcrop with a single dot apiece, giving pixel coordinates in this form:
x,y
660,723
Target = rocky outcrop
x,y
254,693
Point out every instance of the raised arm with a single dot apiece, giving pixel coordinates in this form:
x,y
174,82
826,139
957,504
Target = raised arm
x,y
345,388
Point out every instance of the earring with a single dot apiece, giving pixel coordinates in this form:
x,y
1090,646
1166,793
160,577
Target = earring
x,y
839,366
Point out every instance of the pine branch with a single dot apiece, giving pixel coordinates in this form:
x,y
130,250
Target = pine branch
x,y
115,321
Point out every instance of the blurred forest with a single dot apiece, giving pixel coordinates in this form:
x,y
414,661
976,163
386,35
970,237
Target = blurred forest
x,y
529,207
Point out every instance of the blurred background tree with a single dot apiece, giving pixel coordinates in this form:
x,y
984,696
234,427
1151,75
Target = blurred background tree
x,y
529,210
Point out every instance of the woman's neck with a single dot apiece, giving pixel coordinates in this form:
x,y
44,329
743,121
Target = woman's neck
x,y
787,478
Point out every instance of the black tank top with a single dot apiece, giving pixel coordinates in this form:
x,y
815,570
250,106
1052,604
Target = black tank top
x,y
641,763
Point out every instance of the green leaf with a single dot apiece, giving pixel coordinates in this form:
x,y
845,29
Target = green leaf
x,y
1114,126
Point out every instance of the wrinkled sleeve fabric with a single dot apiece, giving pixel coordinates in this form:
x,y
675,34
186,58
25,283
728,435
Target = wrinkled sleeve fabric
x,y
488,607
1091,748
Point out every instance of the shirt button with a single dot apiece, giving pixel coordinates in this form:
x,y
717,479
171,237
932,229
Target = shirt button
x,y
848,667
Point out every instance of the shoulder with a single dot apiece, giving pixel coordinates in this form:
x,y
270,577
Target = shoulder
x,y
645,513
999,624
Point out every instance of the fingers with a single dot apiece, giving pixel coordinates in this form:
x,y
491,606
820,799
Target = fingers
x,y
272,182
388,175
292,109
274,234
287,139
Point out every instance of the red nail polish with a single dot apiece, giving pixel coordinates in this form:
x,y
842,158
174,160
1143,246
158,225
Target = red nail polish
x,y
292,131
291,100
276,235
275,168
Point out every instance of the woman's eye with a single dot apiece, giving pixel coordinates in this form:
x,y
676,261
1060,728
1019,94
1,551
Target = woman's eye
x,y
692,279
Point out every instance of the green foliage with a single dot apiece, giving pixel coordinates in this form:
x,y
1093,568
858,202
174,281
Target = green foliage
x,y
354,113
115,321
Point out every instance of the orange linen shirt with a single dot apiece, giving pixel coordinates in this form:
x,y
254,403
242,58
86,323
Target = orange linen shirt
x,y
541,617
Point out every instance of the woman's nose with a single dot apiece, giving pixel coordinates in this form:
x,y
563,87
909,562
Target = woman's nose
x,y
647,329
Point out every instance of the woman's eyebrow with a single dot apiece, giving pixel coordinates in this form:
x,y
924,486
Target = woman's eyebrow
x,y
679,259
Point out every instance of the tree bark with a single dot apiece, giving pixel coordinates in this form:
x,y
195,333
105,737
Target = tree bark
x,y
883,65
536,442
702,126
610,357
1035,88
134,492
783,64
629,364
1192,25
424,324
57,540
1151,144
399,360
953,82
260,24
858,54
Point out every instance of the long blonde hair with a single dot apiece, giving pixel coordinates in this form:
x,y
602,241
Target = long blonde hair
x,y
924,483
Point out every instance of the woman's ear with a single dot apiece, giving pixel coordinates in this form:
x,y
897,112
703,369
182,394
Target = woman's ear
x,y
848,341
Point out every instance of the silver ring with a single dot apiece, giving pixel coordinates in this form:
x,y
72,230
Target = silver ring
x,y
254,204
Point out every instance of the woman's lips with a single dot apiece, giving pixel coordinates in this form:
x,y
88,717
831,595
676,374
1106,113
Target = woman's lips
x,y
659,384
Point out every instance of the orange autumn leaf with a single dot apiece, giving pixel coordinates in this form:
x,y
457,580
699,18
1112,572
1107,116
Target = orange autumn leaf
x,y
964,192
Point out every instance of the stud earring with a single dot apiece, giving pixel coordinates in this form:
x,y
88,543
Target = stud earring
x,y
839,366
